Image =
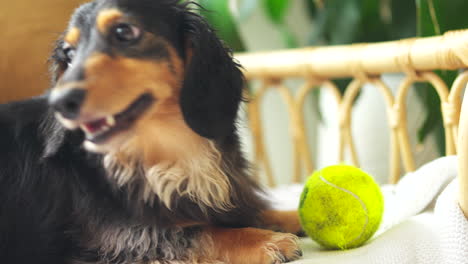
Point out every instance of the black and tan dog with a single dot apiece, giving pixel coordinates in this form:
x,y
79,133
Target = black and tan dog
x,y
133,157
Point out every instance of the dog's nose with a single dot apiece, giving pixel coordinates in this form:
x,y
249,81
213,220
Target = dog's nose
x,y
68,103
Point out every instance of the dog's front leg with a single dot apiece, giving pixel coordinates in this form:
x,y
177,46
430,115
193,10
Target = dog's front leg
x,y
282,221
249,245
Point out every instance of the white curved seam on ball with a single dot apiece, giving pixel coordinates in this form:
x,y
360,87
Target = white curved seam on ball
x,y
355,196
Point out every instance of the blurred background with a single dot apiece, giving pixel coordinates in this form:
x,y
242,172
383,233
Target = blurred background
x,y
253,25
30,27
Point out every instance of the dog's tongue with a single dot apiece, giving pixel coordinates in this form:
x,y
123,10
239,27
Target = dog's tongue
x,y
96,125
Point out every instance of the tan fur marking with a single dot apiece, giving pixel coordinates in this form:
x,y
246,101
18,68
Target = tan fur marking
x,y
106,18
73,36
284,221
122,80
251,245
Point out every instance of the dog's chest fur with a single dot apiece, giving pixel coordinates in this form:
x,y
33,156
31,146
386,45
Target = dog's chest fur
x,y
153,202
134,243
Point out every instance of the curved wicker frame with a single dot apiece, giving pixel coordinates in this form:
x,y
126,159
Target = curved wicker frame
x,y
417,58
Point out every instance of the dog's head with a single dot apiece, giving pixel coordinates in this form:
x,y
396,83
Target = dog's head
x,y
134,67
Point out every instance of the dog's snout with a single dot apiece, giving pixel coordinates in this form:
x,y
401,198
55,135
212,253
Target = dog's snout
x,y
68,103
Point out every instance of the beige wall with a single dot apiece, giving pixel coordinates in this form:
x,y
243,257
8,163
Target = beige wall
x,y
28,30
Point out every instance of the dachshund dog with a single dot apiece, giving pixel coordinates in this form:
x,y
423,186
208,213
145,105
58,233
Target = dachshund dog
x,y
133,157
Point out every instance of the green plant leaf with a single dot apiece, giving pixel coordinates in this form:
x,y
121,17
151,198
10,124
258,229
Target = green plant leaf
x,y
345,22
288,37
436,17
344,19
218,14
372,26
429,24
319,34
312,8
433,120
454,14
276,10
429,17
402,19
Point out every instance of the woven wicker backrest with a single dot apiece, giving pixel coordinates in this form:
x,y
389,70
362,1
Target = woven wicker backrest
x,y
417,58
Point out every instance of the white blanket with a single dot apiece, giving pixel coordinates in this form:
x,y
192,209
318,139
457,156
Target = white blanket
x,y
413,230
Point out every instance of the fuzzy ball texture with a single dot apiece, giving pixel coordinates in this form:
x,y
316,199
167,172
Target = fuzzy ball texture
x,y
341,207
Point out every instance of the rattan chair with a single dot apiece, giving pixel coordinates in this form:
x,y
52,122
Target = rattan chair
x,y
416,58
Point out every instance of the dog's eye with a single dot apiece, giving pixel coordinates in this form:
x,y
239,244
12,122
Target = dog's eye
x,y
126,33
69,53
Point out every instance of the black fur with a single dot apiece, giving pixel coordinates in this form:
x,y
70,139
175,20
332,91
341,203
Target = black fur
x,y
213,86
58,203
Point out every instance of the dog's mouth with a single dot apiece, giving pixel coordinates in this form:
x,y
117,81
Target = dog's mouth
x,y
99,130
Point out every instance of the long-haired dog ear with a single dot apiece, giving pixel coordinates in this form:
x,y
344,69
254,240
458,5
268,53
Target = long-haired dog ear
x,y
213,83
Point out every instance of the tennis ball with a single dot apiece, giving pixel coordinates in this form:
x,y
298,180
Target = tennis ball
x,y
341,207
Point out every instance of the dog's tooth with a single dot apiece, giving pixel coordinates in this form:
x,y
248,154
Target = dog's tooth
x,y
89,137
110,120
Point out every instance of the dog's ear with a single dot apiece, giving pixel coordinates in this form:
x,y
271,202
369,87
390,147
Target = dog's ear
x,y
213,83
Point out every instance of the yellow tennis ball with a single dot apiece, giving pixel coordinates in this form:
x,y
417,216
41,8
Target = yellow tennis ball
x,y
341,207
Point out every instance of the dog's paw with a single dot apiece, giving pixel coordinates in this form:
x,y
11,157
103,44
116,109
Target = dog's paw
x,y
251,246
281,248
261,246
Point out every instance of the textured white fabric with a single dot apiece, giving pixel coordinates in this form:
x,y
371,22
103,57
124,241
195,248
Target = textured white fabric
x,y
417,192
453,226
412,231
